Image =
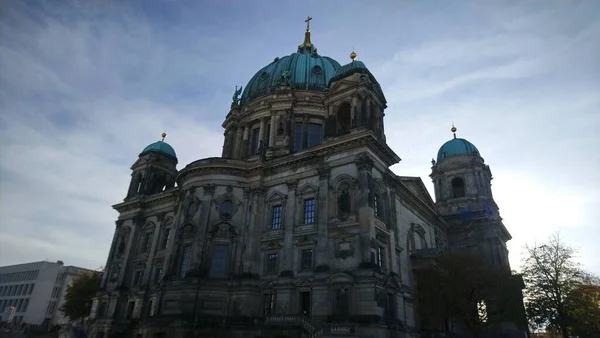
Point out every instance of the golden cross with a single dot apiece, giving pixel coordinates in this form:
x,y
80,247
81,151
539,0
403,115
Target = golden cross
x,y
308,23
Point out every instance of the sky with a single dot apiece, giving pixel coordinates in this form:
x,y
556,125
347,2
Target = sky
x,y
85,85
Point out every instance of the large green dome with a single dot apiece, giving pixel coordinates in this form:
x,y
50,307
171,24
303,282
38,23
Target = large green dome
x,y
304,70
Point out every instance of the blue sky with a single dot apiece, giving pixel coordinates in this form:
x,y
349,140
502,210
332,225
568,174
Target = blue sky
x,y
85,85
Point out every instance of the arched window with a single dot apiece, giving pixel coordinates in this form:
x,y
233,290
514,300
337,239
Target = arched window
x,y
458,187
344,118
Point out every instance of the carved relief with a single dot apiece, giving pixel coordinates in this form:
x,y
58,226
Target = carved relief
x,y
271,245
364,162
223,231
343,245
114,274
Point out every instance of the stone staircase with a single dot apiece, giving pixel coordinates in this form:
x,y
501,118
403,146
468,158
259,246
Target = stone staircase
x,y
314,330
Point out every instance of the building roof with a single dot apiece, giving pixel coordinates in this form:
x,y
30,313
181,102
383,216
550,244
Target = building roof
x,y
303,70
456,147
160,147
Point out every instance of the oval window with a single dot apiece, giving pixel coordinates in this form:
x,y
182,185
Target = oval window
x,y
264,75
317,69
226,209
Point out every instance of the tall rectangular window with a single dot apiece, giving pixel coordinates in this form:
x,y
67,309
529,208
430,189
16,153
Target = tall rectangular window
x,y
147,242
137,277
254,141
268,303
219,265
30,289
380,255
25,305
157,275
276,218
297,136
306,259
314,133
267,134
185,260
376,205
271,263
309,211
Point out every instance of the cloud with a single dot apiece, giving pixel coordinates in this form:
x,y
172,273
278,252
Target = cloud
x,y
77,116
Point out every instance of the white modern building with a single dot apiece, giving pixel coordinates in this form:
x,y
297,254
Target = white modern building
x,y
36,290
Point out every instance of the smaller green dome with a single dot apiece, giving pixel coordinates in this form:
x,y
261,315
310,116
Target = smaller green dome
x,y
456,147
160,147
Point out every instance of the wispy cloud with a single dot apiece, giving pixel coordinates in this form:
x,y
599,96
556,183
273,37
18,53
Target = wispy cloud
x,y
85,85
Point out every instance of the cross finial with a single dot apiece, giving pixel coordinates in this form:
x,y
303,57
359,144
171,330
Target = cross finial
x,y
308,23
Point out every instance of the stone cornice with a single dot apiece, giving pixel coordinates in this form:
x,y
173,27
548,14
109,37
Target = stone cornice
x,y
169,196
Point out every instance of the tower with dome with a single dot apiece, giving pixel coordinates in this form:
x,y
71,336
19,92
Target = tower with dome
x,y
300,228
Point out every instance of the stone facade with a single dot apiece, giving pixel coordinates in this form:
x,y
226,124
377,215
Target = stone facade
x,y
300,229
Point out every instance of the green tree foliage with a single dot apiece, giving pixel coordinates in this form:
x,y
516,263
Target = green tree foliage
x,y
463,288
556,294
583,307
78,298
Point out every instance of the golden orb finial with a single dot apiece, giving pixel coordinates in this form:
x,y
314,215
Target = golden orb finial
x,y
353,55
453,130
163,136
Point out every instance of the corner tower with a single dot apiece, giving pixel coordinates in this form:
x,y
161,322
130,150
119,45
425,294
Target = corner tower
x,y
463,193
154,171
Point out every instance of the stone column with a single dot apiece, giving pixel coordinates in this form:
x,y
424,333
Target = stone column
x,y
322,216
245,142
364,165
111,255
261,131
273,129
288,228
253,257
368,122
238,143
147,278
304,132
202,227
353,111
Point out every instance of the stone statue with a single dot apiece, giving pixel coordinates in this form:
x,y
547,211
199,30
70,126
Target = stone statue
x,y
262,150
344,202
235,100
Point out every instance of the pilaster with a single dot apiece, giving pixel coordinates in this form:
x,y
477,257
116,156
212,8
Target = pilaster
x,y
364,165
322,216
273,129
288,227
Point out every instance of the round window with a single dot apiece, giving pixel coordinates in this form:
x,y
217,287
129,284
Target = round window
x,y
264,75
226,209
317,69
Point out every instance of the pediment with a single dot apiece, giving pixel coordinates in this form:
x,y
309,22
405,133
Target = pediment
x,y
271,245
149,225
276,196
167,221
343,236
303,282
416,186
308,189
339,278
306,241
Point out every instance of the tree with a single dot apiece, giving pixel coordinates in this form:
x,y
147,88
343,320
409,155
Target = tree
x,y
78,298
551,274
463,288
583,307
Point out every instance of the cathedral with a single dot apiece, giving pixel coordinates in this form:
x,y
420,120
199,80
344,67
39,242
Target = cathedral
x,y
300,228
